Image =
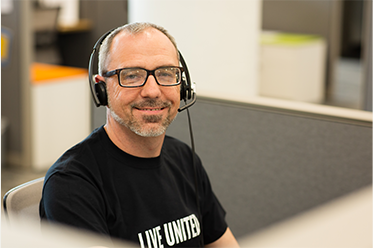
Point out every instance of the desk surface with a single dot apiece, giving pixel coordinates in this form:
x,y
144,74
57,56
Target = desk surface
x,y
344,222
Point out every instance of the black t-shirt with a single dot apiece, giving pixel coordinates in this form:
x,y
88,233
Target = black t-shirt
x,y
150,201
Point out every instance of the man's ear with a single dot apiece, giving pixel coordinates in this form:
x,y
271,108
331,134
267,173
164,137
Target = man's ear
x,y
99,78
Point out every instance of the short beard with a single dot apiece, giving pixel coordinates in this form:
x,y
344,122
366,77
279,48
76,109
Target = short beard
x,y
137,128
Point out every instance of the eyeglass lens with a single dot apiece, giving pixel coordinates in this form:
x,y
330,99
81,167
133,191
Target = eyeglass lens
x,y
137,76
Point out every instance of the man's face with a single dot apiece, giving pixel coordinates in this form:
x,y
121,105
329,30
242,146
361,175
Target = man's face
x,y
150,109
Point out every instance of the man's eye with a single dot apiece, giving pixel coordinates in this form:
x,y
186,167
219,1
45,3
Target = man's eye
x,y
166,73
131,76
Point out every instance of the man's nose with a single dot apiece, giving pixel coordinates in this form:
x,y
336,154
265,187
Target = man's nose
x,y
151,89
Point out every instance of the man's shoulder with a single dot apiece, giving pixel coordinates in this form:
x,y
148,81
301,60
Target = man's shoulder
x,y
91,143
172,141
81,154
173,145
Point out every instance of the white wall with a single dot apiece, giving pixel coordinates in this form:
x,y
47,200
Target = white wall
x,y
69,13
219,40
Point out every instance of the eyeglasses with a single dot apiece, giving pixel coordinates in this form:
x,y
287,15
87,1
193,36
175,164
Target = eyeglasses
x,y
137,77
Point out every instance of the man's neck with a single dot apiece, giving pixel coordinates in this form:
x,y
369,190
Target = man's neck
x,y
131,143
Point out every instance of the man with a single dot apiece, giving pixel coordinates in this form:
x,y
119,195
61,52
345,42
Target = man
x,y
128,179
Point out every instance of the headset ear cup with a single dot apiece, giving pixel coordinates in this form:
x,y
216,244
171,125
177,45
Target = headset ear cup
x,y
189,92
183,90
100,88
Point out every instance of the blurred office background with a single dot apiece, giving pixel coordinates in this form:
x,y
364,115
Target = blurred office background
x,y
312,52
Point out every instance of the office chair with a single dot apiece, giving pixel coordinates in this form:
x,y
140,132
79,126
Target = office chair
x,y
22,201
44,25
22,227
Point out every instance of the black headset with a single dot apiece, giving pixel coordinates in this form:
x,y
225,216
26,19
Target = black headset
x,y
98,90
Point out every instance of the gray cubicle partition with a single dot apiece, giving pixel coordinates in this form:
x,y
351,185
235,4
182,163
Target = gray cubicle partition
x,y
268,164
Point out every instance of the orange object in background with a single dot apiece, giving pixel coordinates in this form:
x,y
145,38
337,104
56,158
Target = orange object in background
x,y
43,73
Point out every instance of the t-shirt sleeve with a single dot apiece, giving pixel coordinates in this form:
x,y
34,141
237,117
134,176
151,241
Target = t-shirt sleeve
x,y
72,200
213,220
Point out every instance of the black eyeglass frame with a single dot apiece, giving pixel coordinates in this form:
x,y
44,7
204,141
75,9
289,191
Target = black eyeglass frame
x,y
148,73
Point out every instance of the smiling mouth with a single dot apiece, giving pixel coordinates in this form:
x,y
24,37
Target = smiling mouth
x,y
151,106
150,109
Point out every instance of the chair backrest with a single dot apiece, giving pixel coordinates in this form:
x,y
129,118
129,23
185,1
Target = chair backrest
x,y
45,25
45,19
23,200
